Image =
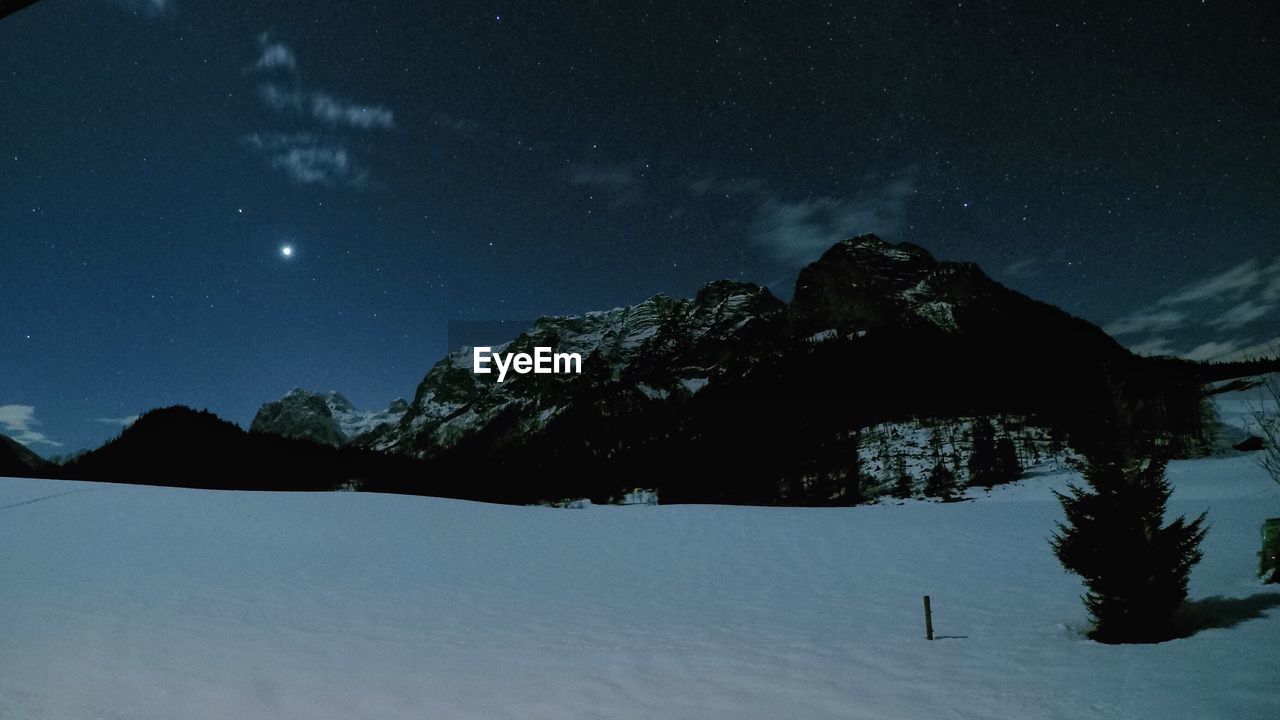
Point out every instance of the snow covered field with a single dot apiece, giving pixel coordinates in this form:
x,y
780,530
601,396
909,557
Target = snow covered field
x,y
134,602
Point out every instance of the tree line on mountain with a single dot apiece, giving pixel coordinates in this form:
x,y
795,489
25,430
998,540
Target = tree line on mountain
x,y
784,429
182,447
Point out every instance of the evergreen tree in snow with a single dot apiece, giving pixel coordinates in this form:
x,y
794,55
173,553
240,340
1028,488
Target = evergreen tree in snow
x,y
1135,567
1007,466
902,485
941,483
982,456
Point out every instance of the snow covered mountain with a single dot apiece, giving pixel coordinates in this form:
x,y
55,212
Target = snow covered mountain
x,y
667,350
327,418
735,396
661,349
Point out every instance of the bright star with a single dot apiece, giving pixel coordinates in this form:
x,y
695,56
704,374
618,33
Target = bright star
x,y
287,251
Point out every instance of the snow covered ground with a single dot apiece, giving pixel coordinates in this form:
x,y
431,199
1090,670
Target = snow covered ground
x,y
133,602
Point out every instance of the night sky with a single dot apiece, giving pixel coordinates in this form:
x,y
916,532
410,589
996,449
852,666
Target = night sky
x,y
428,162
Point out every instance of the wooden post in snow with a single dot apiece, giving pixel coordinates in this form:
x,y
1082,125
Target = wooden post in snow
x,y
928,619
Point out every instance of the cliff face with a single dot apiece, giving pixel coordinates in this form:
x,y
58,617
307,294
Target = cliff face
x,y
661,349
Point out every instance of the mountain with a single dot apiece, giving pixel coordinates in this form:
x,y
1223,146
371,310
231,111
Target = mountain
x,y
17,461
663,349
886,363
329,418
734,396
194,448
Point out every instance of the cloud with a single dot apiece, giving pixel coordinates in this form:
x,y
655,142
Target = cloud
x,y
1025,268
322,165
799,231
1242,314
308,159
1153,346
122,421
326,108
1231,284
1147,320
338,112
624,185
1243,300
19,422
1212,350
709,184
615,176
274,56
150,8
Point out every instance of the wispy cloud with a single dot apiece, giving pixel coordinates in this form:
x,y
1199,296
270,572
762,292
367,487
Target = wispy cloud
x,y
19,422
798,231
1237,316
1232,284
309,159
357,115
1154,346
149,8
319,157
121,421
616,176
323,165
623,184
1147,320
326,108
1025,268
1212,350
274,55
1243,300
709,184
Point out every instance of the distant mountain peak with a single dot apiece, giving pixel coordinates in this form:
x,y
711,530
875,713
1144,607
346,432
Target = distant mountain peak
x,y
869,243
327,418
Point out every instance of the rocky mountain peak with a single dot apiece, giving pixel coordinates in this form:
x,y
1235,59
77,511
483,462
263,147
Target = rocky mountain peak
x,y
656,349
866,283
326,418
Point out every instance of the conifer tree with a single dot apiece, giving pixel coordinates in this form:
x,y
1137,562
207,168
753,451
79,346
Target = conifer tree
x,y
982,457
941,483
1007,467
1135,567
902,485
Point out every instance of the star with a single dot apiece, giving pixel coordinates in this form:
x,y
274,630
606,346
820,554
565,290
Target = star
x,y
286,251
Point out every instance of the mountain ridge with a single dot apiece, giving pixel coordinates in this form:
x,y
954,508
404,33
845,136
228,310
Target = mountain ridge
x,y
735,396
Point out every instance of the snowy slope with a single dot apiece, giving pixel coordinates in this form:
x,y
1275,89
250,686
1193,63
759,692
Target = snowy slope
x,y
138,602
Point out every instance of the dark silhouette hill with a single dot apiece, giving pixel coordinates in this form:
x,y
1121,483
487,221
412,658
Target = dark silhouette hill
x,y
182,447
17,461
